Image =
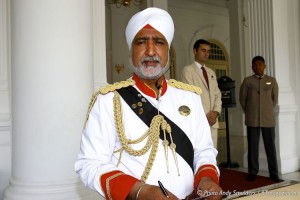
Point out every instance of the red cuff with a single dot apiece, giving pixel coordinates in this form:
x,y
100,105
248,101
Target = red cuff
x,y
206,171
116,184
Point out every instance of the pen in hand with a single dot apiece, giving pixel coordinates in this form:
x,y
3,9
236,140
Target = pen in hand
x,y
163,189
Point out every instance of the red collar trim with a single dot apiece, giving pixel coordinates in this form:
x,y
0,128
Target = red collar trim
x,y
146,89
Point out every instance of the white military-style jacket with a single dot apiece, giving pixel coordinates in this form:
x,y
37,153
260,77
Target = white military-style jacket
x,y
100,140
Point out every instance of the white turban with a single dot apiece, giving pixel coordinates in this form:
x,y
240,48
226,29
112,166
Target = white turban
x,y
158,18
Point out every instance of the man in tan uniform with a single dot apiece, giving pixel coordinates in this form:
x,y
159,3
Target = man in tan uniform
x,y
194,74
258,98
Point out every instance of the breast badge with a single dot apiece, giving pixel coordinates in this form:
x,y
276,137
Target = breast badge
x,y
184,110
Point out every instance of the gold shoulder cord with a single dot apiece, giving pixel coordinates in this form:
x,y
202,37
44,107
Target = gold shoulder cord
x,y
105,90
184,86
152,133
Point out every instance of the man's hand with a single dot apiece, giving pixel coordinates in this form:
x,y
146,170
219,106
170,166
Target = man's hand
x,y
148,192
212,117
209,189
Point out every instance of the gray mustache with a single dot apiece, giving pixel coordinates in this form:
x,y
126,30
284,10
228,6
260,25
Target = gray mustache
x,y
155,58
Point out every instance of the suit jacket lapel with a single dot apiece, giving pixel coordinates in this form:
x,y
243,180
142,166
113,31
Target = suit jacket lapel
x,y
199,73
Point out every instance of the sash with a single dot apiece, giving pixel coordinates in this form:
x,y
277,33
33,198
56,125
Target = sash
x,y
184,146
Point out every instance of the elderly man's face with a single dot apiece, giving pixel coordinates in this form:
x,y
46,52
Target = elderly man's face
x,y
149,53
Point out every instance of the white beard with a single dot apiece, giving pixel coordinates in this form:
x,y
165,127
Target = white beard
x,y
149,72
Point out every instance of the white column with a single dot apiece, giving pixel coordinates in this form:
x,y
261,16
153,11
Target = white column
x,y
286,66
5,113
260,32
52,82
99,44
273,32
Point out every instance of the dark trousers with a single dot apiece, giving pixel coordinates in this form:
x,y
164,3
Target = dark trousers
x,y
253,135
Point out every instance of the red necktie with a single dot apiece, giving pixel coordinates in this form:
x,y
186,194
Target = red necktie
x,y
205,76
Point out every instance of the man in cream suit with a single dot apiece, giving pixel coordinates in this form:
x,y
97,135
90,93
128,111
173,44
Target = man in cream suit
x,y
194,74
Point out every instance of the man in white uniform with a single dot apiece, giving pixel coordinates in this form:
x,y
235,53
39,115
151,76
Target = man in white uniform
x,y
147,129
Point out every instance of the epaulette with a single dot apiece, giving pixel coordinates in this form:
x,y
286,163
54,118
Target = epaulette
x,y
184,86
105,90
115,86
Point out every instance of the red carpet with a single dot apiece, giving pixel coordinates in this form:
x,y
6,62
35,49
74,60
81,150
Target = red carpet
x,y
232,180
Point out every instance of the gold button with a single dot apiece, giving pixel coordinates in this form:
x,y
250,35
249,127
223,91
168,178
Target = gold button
x,y
141,110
